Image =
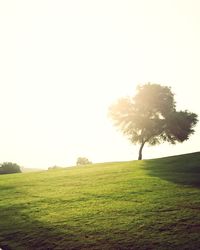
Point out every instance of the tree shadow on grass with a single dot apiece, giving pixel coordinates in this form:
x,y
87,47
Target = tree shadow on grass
x,y
19,230
183,169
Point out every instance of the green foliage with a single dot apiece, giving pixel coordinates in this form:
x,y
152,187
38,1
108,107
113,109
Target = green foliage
x,y
9,168
83,161
150,204
54,167
151,117
180,126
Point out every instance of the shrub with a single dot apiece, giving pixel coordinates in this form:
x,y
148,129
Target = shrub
x,y
54,167
82,161
9,168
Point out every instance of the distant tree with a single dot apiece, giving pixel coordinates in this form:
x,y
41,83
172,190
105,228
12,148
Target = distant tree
x,y
9,168
151,117
82,161
54,167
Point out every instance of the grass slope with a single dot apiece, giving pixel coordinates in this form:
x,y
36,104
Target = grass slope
x,y
152,204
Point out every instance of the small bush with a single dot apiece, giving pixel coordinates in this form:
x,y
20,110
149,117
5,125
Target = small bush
x,y
54,167
83,161
9,168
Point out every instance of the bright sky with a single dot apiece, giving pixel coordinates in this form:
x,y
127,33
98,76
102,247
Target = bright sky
x,y
62,63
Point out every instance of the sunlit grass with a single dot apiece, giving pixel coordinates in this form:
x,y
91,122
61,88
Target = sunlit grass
x,y
150,204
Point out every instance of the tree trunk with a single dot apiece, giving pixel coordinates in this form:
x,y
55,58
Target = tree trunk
x,y
140,151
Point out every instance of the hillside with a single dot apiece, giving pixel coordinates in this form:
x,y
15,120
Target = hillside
x,y
30,170
151,204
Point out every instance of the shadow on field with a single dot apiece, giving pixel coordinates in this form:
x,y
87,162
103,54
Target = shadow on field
x,y
183,169
20,231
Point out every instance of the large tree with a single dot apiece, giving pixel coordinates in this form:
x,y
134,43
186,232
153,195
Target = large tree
x,y
151,117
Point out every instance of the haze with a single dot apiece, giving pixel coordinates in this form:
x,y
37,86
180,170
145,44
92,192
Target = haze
x,y
62,63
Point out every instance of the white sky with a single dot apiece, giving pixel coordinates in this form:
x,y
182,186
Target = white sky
x,y
62,63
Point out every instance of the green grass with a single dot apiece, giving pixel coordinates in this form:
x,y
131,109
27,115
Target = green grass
x,y
152,204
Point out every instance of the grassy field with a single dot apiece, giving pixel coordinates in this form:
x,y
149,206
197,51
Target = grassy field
x,y
151,204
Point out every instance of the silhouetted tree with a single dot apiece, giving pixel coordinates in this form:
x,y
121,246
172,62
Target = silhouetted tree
x,y
9,168
82,161
54,167
151,117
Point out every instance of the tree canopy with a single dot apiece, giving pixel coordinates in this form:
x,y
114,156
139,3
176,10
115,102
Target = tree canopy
x,y
9,168
83,161
151,117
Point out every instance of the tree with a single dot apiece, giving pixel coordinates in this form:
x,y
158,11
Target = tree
x,y
82,161
151,117
9,168
54,167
